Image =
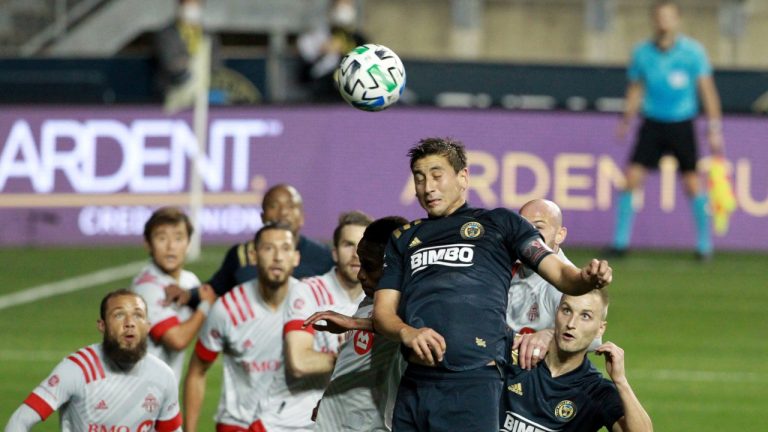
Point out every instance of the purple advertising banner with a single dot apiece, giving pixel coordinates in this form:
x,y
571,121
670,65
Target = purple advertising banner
x,y
93,175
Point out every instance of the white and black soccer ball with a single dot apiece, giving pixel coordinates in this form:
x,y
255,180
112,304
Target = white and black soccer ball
x,y
371,77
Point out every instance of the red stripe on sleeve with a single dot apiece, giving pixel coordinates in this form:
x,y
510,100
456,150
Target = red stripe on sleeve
x,y
297,325
39,405
96,361
158,330
237,305
245,300
204,353
312,286
168,425
82,367
326,291
229,310
87,360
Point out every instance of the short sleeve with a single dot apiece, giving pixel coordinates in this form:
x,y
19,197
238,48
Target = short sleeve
x,y
303,300
162,317
611,408
210,341
169,418
57,388
522,239
703,66
392,278
634,71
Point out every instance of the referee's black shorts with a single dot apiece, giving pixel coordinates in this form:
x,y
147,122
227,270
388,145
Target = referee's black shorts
x,y
656,139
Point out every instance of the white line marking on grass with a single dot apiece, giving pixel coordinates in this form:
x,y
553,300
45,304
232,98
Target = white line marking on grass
x,y
697,376
69,285
32,355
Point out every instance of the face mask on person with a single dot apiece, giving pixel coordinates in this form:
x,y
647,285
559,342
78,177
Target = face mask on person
x,y
344,15
191,13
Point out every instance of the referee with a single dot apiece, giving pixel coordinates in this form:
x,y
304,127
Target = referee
x,y
666,74
443,295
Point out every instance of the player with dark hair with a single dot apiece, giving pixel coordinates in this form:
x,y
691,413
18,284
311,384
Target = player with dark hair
x,y
114,385
665,74
282,203
443,295
565,392
364,383
166,235
246,325
309,356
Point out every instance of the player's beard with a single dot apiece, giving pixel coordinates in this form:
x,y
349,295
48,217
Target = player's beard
x,y
124,357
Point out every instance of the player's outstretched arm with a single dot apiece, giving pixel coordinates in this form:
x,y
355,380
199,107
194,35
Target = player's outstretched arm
x,y
571,280
427,344
337,323
635,418
194,391
22,420
179,337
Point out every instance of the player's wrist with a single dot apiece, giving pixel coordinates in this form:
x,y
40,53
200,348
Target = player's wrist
x,y
205,307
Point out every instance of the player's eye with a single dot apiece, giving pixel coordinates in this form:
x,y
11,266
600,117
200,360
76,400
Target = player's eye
x,y
586,316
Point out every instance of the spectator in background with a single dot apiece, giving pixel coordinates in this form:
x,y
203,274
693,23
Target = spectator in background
x,y
665,74
178,49
322,48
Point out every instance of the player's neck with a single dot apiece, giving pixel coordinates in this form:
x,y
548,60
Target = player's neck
x,y
175,274
560,363
353,289
664,41
273,297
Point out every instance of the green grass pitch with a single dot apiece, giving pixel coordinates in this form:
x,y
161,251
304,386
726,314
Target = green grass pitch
x,y
693,333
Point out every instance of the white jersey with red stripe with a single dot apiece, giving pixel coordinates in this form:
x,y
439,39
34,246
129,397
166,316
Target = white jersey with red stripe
x,y
363,387
150,284
249,332
533,301
94,395
289,402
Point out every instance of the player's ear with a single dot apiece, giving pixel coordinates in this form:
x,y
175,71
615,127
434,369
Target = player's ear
x,y
463,175
603,326
297,258
101,325
560,235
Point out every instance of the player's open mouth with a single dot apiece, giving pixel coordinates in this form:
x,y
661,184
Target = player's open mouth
x,y
568,337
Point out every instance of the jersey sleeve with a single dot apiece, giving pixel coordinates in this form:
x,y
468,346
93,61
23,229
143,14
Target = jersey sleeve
x,y
522,239
57,388
210,340
611,408
169,418
634,71
303,300
224,278
163,318
392,276
703,66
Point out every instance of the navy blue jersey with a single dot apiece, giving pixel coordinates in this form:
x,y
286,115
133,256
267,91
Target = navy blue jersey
x,y
581,400
453,274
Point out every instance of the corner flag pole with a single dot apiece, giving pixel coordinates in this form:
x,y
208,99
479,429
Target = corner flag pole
x,y
200,125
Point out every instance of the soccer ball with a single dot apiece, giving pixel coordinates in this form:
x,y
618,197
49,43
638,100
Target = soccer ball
x,y
371,77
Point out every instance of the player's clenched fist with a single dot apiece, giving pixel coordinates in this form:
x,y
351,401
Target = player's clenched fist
x,y
597,273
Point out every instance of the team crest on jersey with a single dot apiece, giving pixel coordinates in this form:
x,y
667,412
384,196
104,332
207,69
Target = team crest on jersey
x,y
298,304
363,342
565,410
150,403
471,230
533,312
215,334
53,381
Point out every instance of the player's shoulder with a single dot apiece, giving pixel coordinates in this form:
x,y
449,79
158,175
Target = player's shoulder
x,y
690,44
158,370
84,364
149,276
407,230
187,279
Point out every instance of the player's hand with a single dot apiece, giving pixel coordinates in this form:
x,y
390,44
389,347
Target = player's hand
x,y
597,273
207,293
175,294
427,344
334,322
716,142
614,360
532,347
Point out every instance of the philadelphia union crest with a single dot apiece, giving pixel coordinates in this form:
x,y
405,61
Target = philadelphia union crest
x,y
472,230
565,410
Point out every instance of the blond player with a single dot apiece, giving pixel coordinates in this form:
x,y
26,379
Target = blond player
x,y
111,386
310,356
166,235
246,325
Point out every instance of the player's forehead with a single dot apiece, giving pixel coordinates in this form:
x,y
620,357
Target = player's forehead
x,y
589,302
275,236
351,233
169,227
432,162
281,196
541,211
125,302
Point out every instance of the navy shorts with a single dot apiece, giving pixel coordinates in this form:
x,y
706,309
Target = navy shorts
x,y
656,139
434,400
